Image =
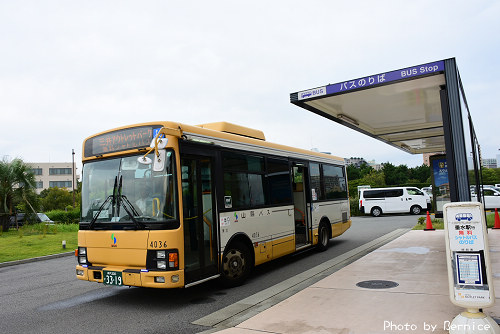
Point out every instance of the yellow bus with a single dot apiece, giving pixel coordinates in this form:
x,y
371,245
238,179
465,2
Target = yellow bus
x,y
168,205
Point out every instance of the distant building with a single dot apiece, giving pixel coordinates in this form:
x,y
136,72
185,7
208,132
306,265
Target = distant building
x,y
374,165
359,161
354,161
489,163
53,174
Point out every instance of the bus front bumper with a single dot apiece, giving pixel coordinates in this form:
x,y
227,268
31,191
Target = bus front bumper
x,y
131,277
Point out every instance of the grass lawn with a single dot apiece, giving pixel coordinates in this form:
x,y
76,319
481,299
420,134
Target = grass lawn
x,y
438,224
37,240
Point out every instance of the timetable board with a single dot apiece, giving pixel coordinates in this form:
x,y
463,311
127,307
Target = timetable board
x,y
469,274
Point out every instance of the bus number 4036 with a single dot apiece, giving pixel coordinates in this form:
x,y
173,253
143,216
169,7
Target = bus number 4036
x,y
158,244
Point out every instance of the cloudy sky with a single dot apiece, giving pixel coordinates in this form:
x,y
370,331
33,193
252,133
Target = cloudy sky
x,y
71,69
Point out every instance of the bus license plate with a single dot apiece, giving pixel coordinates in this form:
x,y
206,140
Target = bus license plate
x,y
112,278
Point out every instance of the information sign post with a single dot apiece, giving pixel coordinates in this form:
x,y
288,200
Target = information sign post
x,y
468,261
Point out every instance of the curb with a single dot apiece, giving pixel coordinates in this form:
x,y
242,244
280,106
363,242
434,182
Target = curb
x,y
35,259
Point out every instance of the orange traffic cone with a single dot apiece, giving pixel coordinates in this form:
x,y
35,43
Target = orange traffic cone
x,y
497,220
428,226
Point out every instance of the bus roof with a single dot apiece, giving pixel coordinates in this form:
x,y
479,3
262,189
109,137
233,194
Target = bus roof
x,y
131,138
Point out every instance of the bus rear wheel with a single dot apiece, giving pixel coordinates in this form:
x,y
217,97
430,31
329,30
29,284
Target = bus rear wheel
x,y
323,237
236,264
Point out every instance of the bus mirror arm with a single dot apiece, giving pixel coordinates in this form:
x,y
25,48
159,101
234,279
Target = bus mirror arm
x,y
159,143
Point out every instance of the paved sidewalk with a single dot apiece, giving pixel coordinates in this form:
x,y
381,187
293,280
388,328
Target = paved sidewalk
x,y
419,304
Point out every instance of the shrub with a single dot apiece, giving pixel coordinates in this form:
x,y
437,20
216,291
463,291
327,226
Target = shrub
x,y
64,217
423,220
354,205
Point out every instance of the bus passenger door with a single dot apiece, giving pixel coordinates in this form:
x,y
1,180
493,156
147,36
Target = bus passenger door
x,y
300,205
200,228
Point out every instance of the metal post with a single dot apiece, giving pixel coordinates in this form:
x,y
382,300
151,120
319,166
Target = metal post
x,y
73,161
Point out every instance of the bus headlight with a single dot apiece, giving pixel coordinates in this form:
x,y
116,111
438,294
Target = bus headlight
x,y
167,259
161,265
82,255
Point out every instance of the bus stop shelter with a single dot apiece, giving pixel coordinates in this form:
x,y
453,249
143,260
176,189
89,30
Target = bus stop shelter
x,y
418,109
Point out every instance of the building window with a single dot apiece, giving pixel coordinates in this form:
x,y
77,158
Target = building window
x,y
39,184
37,171
59,171
60,184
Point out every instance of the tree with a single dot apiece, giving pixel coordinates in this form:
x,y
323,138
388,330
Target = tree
x,y
420,173
395,176
17,185
55,199
489,176
354,172
375,179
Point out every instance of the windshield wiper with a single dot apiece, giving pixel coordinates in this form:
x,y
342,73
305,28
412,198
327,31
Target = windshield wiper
x,y
117,200
113,203
129,208
94,219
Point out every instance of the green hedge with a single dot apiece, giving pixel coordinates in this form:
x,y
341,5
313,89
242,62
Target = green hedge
x,y
64,217
354,205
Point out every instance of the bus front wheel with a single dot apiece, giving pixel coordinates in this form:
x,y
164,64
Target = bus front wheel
x,y
236,264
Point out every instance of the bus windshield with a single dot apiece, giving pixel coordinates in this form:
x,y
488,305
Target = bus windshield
x,y
123,193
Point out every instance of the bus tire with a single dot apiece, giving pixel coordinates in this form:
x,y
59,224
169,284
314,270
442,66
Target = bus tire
x,y
236,264
376,211
415,210
323,237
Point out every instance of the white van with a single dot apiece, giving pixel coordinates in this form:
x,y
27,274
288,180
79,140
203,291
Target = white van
x,y
376,201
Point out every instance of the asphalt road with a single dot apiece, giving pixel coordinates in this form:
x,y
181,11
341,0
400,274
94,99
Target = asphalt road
x,y
45,296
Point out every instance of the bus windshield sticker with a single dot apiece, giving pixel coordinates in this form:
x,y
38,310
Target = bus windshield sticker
x,y
228,202
103,214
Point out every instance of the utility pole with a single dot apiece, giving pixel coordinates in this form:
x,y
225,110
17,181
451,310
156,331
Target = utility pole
x,y
73,161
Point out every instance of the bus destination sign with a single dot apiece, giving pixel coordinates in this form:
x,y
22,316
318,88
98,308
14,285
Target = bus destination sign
x,y
120,140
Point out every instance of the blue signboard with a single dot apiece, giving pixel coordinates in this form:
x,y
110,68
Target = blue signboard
x,y
440,182
373,80
386,77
